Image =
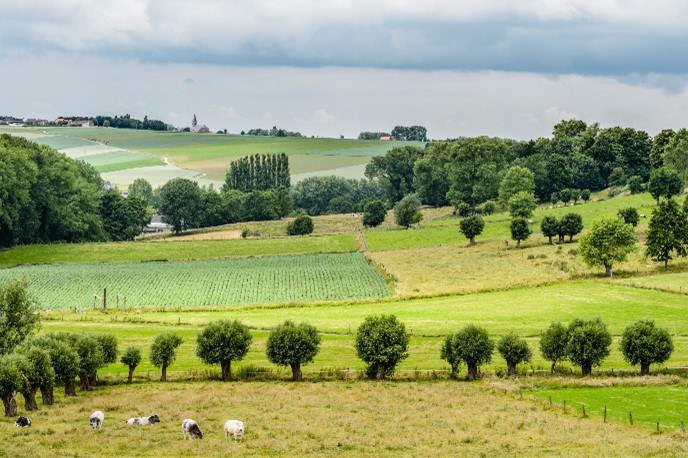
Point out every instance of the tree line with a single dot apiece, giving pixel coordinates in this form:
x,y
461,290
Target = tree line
x,y
402,133
127,122
30,362
47,197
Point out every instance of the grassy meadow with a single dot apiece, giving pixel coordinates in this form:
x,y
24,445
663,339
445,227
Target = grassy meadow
x,y
324,419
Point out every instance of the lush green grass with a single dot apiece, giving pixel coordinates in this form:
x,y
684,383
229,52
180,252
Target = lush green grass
x,y
667,405
321,419
240,281
674,282
446,231
120,160
159,251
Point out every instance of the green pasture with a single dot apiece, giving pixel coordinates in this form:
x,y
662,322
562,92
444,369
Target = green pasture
x,y
177,251
676,282
526,311
648,405
239,281
120,160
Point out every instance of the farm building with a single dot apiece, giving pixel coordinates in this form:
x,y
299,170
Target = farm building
x,y
385,138
156,225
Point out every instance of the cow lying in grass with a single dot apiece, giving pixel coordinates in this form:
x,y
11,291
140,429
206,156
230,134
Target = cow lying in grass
x,y
234,428
190,428
143,421
22,422
97,419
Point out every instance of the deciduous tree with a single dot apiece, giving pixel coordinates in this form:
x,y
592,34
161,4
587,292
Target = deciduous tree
x,y
222,342
293,345
382,343
608,242
643,343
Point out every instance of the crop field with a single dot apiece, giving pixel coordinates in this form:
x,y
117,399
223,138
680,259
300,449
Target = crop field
x,y
120,160
303,278
648,405
154,251
323,419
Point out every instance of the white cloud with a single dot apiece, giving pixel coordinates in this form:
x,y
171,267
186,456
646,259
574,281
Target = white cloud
x,y
321,116
267,116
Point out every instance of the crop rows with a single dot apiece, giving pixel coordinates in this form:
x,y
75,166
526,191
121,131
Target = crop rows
x,y
301,278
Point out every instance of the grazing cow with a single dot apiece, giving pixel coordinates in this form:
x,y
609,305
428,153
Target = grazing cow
x,y
235,428
143,421
190,428
22,422
96,419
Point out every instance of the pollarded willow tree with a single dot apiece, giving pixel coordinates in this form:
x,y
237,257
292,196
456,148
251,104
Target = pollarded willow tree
x,y
642,343
131,358
588,343
382,343
514,350
222,342
553,344
163,352
293,345
471,345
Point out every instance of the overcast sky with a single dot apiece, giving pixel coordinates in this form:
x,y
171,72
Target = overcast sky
x,y
507,68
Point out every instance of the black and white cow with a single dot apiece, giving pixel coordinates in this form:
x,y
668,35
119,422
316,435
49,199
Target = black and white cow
x,y
97,419
22,422
143,421
190,428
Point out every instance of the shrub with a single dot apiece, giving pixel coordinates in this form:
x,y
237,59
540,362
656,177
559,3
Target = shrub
x,y
407,211
585,195
131,358
462,209
374,213
635,184
302,225
514,350
553,344
549,227
293,345
489,208
163,352
520,230
522,204
222,342
472,227
382,343
643,343
473,346
630,216
588,343
571,224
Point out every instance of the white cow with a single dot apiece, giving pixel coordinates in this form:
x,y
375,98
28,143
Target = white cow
x,y
235,428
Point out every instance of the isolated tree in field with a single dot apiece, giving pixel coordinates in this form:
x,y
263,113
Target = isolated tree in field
x,y
667,234
676,154
448,354
374,213
553,344
302,225
293,345
549,227
516,179
131,358
643,343
571,224
514,350
664,182
522,205
407,211
473,346
142,189
520,230
608,242
11,381
635,184
163,352
588,343
222,342
471,227
37,372
19,316
382,343
630,215
180,203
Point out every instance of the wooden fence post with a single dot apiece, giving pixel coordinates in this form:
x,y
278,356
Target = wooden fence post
x,y
605,414
585,415
630,417
104,298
